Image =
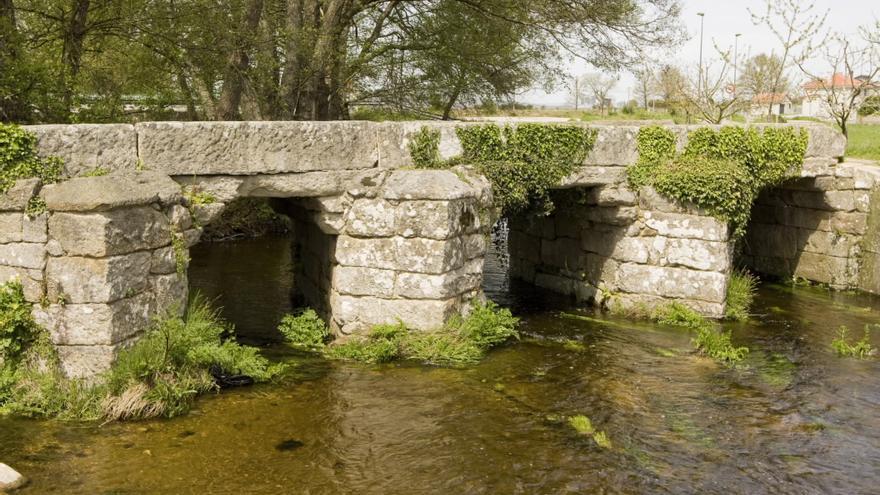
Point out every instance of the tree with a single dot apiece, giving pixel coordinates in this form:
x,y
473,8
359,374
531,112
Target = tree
x,y
109,60
646,84
794,25
710,93
599,86
671,82
759,76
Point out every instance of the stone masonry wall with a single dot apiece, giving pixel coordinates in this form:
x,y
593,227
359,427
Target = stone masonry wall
x,y
99,264
608,245
822,228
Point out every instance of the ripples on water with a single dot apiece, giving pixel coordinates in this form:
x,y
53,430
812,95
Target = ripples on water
x,y
793,419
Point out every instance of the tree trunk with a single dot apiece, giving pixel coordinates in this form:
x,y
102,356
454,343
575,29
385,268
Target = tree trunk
x,y
447,109
238,63
72,49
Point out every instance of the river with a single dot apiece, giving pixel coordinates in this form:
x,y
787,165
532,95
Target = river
x,y
792,418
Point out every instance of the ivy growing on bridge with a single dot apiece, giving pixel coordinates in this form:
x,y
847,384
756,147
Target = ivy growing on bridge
x,y
523,162
719,170
19,160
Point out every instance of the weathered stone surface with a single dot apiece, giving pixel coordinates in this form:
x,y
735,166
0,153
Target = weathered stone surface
x,y
23,255
224,188
85,147
97,280
371,218
822,268
830,243
615,145
205,214
111,191
555,283
308,184
96,324
672,282
31,280
35,229
437,219
10,227
112,232
691,253
10,479
651,200
772,240
362,281
428,184
593,175
687,226
395,139
246,148
86,361
824,141
169,293
818,166
421,286
17,197
163,261
358,314
397,253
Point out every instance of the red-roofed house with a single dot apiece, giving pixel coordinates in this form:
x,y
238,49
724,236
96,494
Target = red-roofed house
x,y
782,104
819,92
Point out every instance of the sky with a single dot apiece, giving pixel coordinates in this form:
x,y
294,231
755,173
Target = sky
x,y
723,19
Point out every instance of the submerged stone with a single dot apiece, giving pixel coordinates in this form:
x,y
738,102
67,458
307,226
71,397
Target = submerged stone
x,y
288,445
10,479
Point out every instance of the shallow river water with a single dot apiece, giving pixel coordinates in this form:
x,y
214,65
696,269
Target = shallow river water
x,y
793,418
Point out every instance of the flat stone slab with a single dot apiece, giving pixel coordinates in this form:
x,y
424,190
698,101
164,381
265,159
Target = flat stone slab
x,y
111,191
10,479
17,197
85,147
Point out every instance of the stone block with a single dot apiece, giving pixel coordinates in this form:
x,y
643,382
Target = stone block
x,y
474,245
615,145
524,245
841,200
107,192
561,253
110,233
555,283
612,215
397,253
358,314
35,229
592,175
10,227
651,200
96,280
86,361
634,249
163,261
691,253
620,195
307,184
169,293
601,241
224,188
85,147
772,265
600,270
395,139
429,184
246,148
821,268
672,282
96,324
371,218
437,219
818,167
772,240
23,255
829,243
17,197
824,141
362,281
443,286
684,226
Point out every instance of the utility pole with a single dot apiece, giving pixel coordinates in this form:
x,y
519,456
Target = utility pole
x,y
700,78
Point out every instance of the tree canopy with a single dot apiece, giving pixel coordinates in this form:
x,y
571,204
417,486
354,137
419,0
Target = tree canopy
x,y
122,60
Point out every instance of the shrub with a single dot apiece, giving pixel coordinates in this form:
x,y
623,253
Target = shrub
x,y
862,349
381,345
717,345
425,148
174,362
17,326
740,294
306,330
719,170
522,162
679,315
19,160
462,341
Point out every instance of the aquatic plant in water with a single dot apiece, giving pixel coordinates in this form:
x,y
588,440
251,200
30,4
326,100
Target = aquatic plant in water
x,y
740,295
602,439
581,424
306,330
717,345
461,341
862,349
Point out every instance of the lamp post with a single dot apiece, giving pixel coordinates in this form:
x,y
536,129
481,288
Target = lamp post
x,y
735,61
700,78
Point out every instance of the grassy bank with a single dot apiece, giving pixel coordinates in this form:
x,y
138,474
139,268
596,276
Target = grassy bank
x,y
864,141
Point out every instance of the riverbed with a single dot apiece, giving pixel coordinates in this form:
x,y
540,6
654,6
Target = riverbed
x,y
791,418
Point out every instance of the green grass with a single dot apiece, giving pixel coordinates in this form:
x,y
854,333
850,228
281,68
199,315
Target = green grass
x,y
862,349
740,294
864,141
305,331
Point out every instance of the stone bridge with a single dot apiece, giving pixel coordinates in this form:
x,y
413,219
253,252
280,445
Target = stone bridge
x,y
381,241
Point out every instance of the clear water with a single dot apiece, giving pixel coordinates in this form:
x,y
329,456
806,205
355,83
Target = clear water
x,y
793,419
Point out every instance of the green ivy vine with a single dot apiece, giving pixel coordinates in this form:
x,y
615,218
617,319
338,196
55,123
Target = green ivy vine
x,y
523,162
19,160
721,171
